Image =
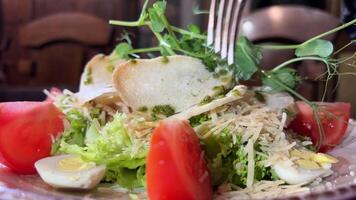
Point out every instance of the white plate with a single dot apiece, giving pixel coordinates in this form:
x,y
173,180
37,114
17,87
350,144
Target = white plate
x,y
341,185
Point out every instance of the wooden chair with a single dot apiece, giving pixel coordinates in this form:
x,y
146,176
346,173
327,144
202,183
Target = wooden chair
x,y
290,24
59,46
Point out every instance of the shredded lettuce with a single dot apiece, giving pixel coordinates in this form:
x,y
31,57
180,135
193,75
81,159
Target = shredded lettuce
x,y
113,146
227,160
75,133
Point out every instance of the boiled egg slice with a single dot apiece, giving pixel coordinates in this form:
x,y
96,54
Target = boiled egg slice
x,y
294,174
69,171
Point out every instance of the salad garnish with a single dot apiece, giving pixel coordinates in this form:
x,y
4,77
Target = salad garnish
x,y
181,124
192,42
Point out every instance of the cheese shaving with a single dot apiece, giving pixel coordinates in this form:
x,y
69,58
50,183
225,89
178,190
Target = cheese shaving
x,y
254,122
263,190
251,163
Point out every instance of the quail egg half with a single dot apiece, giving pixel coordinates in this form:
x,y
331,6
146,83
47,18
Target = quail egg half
x,y
305,167
69,171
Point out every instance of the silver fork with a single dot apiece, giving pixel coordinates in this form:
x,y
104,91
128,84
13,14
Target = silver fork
x,y
226,30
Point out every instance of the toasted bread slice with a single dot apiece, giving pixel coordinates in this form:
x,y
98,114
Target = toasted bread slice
x,y
96,80
177,81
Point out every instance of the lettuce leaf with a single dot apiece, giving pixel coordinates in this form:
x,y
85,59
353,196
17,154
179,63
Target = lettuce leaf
x,y
228,162
75,133
113,146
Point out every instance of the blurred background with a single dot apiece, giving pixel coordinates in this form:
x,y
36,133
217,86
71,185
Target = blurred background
x,y
45,43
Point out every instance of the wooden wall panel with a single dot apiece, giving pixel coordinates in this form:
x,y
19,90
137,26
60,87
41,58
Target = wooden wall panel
x,y
65,70
16,11
17,60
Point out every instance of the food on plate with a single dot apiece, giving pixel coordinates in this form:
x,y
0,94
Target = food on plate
x,y
99,86
69,171
181,125
245,142
307,167
174,147
177,81
116,144
236,93
27,130
52,93
280,101
333,118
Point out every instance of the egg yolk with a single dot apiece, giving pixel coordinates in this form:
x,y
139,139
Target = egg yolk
x,y
74,164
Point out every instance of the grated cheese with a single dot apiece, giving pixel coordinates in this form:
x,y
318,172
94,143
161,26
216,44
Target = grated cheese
x,y
283,121
251,163
263,190
254,122
251,121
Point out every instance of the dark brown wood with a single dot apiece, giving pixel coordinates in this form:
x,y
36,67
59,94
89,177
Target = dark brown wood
x,y
57,44
16,11
296,23
333,7
291,24
58,64
44,54
76,27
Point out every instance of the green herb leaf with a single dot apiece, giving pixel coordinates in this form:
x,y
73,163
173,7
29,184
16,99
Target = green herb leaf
x,y
199,119
110,68
164,51
156,14
123,50
142,109
247,59
162,111
88,77
157,24
319,47
160,7
170,41
207,99
194,28
287,76
125,37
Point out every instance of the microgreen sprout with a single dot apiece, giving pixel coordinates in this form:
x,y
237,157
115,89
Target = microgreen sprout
x,y
172,40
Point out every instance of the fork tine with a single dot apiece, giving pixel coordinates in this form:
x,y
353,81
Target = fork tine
x,y
210,39
217,41
234,30
226,30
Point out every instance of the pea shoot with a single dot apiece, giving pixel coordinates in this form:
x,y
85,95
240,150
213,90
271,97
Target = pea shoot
x,y
172,40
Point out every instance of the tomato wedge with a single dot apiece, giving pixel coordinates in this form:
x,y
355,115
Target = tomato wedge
x,y
26,132
176,168
333,117
53,91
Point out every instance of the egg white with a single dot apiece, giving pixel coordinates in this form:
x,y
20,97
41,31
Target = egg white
x,y
51,173
292,174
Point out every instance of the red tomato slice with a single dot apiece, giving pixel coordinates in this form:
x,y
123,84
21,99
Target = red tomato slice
x,y
53,91
176,168
333,117
26,132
